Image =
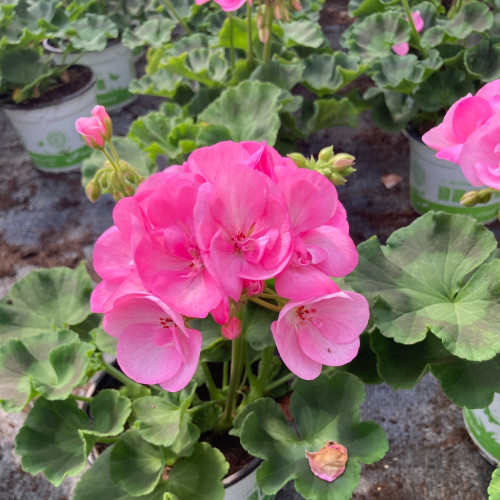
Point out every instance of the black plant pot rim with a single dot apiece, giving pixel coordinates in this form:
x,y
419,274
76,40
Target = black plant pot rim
x,y
34,105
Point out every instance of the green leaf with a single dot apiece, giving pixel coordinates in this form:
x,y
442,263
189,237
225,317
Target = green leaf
x,y
403,74
374,36
51,441
328,113
91,33
470,18
161,83
96,483
207,66
110,411
105,342
442,89
326,73
494,487
231,110
432,36
152,33
326,409
239,32
44,299
482,61
135,464
422,281
51,363
199,476
363,7
257,323
280,73
304,33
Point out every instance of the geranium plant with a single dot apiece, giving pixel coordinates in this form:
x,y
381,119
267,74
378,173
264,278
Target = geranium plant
x,y
245,56
216,293
422,56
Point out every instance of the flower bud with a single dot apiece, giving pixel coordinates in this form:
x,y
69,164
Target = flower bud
x,y
296,5
484,195
259,20
298,159
342,161
263,34
325,154
329,462
254,287
470,198
232,329
93,191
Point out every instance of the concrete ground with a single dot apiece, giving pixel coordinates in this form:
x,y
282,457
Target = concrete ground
x,y
45,220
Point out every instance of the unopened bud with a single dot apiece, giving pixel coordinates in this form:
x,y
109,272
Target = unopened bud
x,y
342,162
277,11
326,153
329,462
470,198
93,191
296,5
263,34
298,159
232,329
484,196
259,20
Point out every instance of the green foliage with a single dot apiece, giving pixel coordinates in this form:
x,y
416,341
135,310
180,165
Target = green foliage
x,y
334,401
494,487
442,65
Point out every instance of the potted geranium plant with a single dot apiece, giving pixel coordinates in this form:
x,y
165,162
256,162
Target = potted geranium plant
x,y
422,57
42,100
211,269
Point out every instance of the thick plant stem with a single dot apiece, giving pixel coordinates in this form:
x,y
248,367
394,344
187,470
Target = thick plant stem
x,y
268,23
121,377
237,362
231,38
80,398
249,36
170,7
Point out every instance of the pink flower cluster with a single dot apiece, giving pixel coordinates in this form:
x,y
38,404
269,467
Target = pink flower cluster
x,y
199,235
470,136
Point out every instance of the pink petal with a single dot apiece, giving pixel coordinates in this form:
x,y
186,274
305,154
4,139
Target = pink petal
x,y
470,114
401,49
303,282
450,154
417,21
113,258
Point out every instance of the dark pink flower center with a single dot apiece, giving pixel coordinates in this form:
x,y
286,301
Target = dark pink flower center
x,y
167,322
304,314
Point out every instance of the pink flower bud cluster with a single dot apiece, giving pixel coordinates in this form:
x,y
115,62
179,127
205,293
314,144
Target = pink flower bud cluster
x,y
197,238
97,129
470,136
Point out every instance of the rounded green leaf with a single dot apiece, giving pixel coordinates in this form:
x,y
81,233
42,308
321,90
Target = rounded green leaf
x,y
231,111
280,73
432,275
328,113
471,17
91,32
483,61
51,441
45,298
135,464
199,476
152,33
494,487
304,33
110,411
374,36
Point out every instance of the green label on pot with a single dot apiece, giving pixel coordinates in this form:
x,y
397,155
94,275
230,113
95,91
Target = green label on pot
x,y
484,429
63,160
114,97
482,213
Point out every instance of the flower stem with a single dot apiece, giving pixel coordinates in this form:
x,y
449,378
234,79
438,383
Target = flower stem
x,y
414,32
279,382
170,7
110,159
120,376
249,35
231,38
77,397
212,388
268,23
265,304
115,154
237,362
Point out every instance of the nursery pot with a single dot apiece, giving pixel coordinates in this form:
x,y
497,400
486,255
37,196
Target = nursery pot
x,y
113,67
241,485
47,129
483,427
439,184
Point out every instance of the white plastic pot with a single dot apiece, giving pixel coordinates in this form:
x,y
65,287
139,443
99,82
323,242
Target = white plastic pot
x,y
439,184
242,485
47,130
484,429
113,67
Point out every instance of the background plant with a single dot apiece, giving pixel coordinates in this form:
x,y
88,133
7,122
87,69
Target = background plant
x,y
456,53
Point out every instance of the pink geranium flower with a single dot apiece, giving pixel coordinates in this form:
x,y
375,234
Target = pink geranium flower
x,y
154,346
226,5
480,156
242,227
402,49
322,245
463,118
169,261
96,129
324,330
